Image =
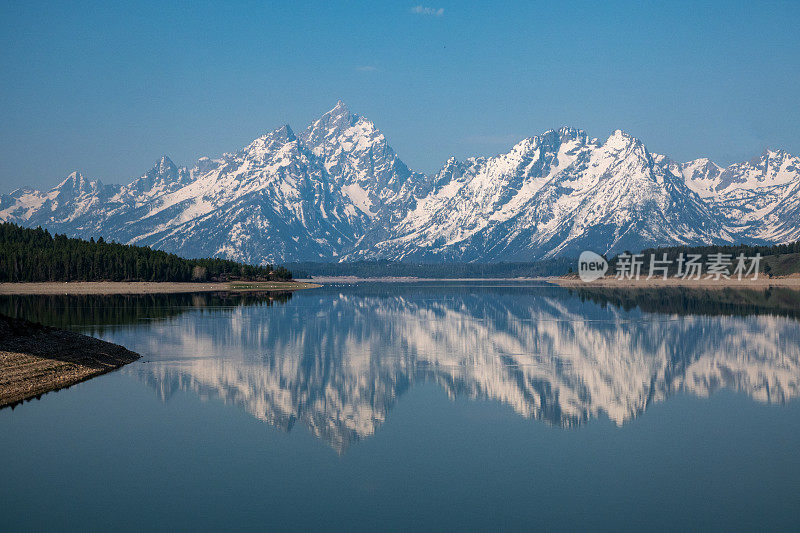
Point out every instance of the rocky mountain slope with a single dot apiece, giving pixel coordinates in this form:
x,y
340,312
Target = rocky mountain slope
x,y
339,191
757,199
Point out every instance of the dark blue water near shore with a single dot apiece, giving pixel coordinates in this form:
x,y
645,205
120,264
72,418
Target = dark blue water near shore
x,y
438,406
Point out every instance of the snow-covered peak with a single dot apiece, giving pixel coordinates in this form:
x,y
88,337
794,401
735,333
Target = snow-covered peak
x,y
270,142
780,162
703,163
165,166
757,199
74,179
769,154
206,164
667,163
283,134
624,154
772,168
76,184
340,132
701,175
331,125
340,107
163,169
363,166
620,140
568,133
163,176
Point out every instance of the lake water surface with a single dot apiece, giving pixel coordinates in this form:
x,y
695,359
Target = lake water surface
x,y
441,406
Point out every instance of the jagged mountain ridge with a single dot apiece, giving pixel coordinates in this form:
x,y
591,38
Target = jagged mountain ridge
x,y
554,194
339,191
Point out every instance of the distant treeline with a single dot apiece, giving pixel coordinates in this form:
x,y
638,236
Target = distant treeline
x,y
36,255
777,260
383,268
733,249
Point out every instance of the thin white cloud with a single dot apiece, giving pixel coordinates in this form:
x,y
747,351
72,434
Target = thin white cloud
x,y
366,68
423,10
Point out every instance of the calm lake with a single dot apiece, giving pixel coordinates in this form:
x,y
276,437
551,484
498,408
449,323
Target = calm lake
x,y
440,406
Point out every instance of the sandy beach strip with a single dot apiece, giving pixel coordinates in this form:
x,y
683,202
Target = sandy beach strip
x,y
36,359
136,287
413,279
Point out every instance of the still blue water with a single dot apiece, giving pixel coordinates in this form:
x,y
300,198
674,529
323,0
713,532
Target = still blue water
x,y
448,406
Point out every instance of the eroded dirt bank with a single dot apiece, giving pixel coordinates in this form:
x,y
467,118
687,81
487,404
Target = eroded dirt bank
x,y
36,359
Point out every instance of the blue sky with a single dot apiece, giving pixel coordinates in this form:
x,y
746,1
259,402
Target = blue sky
x,y
106,88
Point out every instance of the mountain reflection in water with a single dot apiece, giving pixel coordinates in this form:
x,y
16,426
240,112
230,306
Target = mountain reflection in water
x,y
337,359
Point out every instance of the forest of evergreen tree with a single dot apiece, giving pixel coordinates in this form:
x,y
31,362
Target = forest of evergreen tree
x,y
35,255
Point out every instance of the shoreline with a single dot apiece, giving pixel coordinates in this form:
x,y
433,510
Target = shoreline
x,y
37,359
789,282
147,287
409,279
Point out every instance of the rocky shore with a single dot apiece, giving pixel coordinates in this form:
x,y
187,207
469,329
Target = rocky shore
x,y
36,359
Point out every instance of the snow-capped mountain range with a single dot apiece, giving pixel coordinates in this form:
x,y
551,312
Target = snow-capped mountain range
x,y
339,191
